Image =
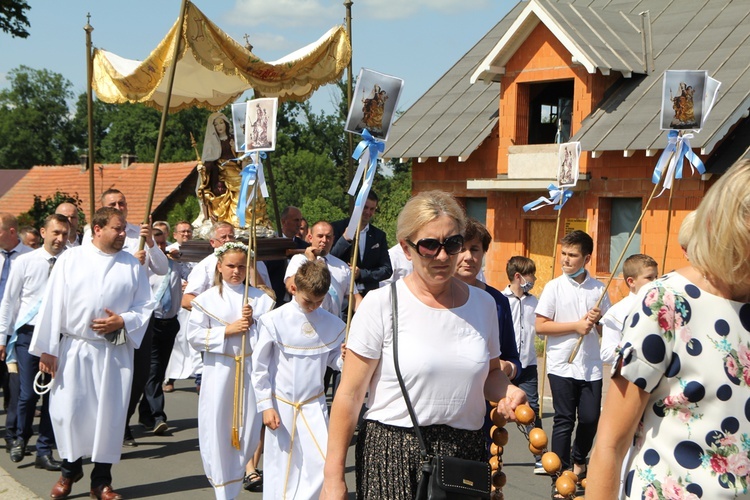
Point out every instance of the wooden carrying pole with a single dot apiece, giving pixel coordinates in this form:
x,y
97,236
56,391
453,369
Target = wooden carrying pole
x,y
90,104
577,347
669,225
163,124
352,284
552,276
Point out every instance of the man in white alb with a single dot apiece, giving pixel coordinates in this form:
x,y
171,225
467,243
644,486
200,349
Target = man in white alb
x,y
94,314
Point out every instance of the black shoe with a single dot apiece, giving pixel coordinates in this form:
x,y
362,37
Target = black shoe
x,y
46,462
129,440
18,450
253,482
160,427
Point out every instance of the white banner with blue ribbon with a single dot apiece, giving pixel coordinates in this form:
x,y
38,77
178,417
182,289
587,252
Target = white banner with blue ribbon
x,y
367,152
558,196
251,176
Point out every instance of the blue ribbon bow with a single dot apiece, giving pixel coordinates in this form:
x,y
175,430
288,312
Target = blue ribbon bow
x,y
558,196
366,152
251,173
678,149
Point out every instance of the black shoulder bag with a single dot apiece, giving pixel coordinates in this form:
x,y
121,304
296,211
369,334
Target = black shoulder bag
x,y
443,477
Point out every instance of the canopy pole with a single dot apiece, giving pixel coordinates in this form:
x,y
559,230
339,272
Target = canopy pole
x,y
90,104
349,86
165,112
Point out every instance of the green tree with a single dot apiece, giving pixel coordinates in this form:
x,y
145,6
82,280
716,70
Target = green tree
x,y
34,119
13,18
134,129
40,209
187,210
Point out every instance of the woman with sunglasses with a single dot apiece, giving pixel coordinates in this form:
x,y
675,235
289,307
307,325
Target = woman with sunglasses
x,y
448,351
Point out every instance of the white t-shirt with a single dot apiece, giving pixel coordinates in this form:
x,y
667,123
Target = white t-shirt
x,y
612,325
400,264
564,300
340,280
444,356
522,308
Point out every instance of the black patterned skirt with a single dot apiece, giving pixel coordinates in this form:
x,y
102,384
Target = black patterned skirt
x,y
388,462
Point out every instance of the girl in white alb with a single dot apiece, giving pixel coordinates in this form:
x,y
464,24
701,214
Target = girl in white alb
x,y
228,424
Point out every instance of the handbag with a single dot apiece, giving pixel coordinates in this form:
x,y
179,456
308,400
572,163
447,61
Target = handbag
x,y
443,477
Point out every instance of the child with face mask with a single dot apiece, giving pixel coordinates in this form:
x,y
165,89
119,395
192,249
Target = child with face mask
x,y
521,274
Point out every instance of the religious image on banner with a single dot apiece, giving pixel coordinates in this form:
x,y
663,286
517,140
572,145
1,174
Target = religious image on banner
x,y
567,164
682,100
374,103
260,124
239,111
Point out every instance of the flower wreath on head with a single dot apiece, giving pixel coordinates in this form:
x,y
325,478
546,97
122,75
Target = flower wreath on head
x,y
230,245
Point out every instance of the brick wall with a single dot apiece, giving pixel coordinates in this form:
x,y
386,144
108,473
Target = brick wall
x,y
543,58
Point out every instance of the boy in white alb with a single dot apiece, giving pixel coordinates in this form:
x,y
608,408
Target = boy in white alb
x,y
638,270
567,310
296,343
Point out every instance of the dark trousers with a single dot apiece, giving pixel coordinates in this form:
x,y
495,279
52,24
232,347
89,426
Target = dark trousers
x,y
141,367
100,476
28,367
571,396
12,389
528,381
151,407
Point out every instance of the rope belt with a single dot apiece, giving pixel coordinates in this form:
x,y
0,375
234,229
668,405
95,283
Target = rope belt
x,y
298,411
238,399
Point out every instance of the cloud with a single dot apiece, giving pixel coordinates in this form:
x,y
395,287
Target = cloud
x,y
402,9
318,13
286,12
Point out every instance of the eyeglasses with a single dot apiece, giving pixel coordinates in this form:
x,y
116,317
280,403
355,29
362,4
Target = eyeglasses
x,y
430,247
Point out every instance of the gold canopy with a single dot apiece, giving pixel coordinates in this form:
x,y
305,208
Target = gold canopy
x,y
217,69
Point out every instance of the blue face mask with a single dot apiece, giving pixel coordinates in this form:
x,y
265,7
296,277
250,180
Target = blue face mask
x,y
576,274
526,286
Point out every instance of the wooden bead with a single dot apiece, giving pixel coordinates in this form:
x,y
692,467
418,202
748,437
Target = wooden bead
x,y
538,438
497,418
499,479
494,463
496,450
525,415
565,486
551,462
499,435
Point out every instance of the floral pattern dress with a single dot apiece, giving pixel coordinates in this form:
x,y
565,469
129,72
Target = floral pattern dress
x,y
690,351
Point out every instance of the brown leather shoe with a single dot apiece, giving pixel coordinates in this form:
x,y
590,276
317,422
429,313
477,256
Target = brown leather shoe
x,y
62,487
104,492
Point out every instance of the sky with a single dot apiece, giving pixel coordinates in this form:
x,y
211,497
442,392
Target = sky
x,y
416,40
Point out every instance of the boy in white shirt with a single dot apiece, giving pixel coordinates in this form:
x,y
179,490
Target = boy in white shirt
x,y
637,270
567,309
521,273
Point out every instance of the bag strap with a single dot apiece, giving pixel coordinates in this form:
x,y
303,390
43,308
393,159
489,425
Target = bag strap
x,y
409,407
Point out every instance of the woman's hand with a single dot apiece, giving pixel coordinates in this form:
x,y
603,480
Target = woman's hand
x,y
333,490
271,419
513,397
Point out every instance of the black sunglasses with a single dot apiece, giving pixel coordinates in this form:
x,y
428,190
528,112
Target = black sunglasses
x,y
430,247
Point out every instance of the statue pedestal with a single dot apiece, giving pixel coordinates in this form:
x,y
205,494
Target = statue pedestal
x,y
268,249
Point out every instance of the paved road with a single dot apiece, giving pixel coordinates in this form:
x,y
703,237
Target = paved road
x,y
170,467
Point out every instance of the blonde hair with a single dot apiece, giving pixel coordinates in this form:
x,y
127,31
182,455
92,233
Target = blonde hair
x,y
686,230
424,208
218,281
720,241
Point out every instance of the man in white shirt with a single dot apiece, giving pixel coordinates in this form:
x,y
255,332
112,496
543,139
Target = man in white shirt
x,y
93,315
10,249
18,310
70,211
321,239
167,292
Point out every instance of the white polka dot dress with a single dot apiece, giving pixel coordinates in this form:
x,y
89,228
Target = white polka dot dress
x,y
691,351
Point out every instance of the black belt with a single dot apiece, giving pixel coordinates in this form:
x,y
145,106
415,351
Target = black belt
x,y
26,329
